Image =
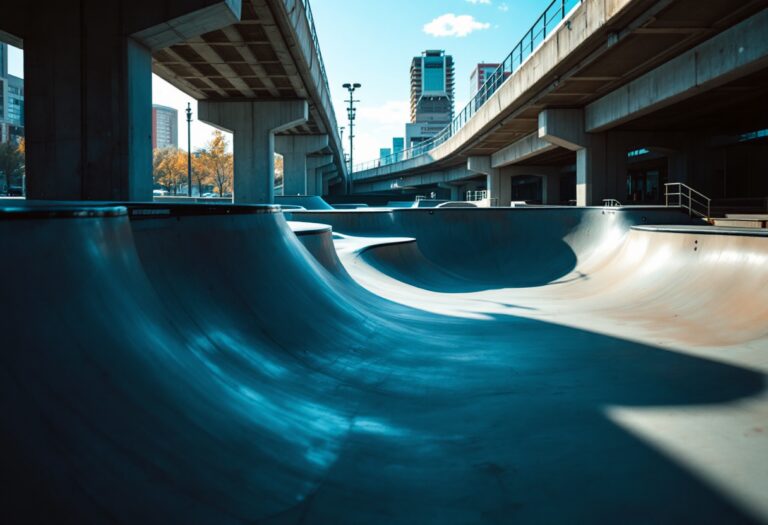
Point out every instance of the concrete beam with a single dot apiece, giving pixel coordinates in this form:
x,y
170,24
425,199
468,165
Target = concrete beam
x,y
177,24
295,149
524,149
253,125
563,127
734,53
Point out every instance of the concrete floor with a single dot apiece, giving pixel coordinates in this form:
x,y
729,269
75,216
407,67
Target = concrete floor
x,y
506,366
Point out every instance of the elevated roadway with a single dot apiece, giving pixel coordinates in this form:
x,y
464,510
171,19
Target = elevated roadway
x,y
673,79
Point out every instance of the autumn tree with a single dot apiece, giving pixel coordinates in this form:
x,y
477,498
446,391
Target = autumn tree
x,y
11,166
169,169
217,163
279,171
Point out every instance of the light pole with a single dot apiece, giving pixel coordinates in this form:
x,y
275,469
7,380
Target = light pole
x,y
351,114
189,149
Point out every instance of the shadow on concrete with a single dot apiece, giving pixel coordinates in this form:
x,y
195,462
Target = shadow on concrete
x,y
241,386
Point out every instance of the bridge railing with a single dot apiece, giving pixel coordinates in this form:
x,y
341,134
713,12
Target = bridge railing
x,y
545,25
321,62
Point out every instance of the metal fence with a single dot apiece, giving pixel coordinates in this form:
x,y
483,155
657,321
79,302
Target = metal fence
x,y
545,25
316,42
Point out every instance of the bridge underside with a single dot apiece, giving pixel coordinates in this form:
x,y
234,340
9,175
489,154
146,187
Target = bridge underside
x,y
663,93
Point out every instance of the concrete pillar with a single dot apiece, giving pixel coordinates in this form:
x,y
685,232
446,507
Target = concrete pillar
x,y
327,175
88,90
253,125
454,189
294,149
565,128
314,177
591,172
88,109
499,184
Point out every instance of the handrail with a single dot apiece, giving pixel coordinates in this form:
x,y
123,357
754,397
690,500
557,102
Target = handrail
x,y
321,62
611,203
554,15
475,196
685,199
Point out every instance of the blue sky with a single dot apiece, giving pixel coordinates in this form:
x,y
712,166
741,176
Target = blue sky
x,y
373,42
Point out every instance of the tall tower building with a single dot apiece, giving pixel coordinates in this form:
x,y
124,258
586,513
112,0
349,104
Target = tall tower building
x,y
165,127
432,95
11,101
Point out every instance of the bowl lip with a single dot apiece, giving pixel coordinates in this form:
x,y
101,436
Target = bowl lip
x,y
133,210
60,211
144,211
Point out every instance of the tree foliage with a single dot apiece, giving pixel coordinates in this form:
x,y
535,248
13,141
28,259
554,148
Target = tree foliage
x,y
169,169
12,166
216,164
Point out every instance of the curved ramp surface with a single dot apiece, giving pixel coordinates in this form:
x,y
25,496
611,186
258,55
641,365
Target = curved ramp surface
x,y
204,367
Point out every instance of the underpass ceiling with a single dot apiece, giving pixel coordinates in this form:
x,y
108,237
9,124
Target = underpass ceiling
x,y
644,44
249,60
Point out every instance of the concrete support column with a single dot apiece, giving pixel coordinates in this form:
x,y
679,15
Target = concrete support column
x,y
294,149
565,128
88,108
327,175
454,189
591,172
253,125
499,184
88,90
314,177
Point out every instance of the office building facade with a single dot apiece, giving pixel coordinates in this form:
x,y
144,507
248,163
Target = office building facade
x,y
432,95
479,75
165,127
11,101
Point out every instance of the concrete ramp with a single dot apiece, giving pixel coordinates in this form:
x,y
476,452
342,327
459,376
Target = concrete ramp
x,y
176,364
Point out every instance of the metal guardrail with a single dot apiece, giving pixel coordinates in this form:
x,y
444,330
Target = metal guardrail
x,y
611,203
321,62
474,196
680,195
552,17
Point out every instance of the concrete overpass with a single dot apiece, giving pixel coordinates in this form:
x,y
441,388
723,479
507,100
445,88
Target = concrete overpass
x,y
254,65
676,85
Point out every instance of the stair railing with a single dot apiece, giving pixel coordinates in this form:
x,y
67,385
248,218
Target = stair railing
x,y
681,195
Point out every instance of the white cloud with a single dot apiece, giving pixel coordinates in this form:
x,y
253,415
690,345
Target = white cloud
x,y
479,1
504,7
450,24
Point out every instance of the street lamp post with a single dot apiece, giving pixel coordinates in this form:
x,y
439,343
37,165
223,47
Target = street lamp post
x,y
351,113
189,149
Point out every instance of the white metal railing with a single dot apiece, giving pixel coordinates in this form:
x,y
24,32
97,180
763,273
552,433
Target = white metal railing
x,y
683,196
611,203
479,195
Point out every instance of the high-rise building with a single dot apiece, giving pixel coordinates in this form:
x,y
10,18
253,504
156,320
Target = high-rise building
x,y
432,95
398,145
479,75
384,154
11,101
165,127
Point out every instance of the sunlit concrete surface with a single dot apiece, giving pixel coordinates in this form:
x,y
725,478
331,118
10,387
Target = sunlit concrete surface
x,y
219,364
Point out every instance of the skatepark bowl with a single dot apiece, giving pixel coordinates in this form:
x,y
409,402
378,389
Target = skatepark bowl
x,y
237,364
